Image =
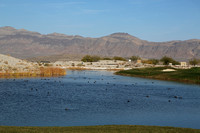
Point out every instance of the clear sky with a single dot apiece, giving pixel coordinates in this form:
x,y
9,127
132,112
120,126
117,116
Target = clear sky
x,y
152,20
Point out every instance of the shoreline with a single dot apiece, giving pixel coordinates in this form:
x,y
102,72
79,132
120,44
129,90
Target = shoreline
x,y
98,129
40,72
165,76
162,79
116,72
90,68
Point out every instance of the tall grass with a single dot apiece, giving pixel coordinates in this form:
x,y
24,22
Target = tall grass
x,y
40,72
52,71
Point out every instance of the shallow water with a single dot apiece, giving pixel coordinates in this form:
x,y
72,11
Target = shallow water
x,y
98,98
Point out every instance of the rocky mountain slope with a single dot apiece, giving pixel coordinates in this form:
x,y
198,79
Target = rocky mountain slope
x,y
26,44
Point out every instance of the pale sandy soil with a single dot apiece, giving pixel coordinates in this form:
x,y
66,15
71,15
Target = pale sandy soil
x,y
8,63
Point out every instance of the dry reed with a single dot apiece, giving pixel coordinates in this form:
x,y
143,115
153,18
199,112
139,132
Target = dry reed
x,y
41,72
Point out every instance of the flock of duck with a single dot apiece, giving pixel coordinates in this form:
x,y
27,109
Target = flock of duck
x,y
92,81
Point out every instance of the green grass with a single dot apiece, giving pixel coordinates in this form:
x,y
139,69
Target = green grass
x,y
181,75
98,129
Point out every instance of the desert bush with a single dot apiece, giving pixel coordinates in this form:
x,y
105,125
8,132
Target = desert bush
x,y
14,69
20,64
194,61
166,60
134,58
5,62
80,64
106,58
47,64
119,58
89,58
151,61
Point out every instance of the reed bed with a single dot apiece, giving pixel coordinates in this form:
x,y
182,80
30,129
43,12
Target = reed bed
x,y
40,72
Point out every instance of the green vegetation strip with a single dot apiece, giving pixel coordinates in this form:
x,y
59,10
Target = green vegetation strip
x,y
98,129
181,75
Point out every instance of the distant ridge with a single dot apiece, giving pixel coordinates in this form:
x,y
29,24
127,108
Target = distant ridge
x,y
22,43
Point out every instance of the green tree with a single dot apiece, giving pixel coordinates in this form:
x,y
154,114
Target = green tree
x,y
47,64
166,60
95,58
106,58
119,58
135,58
194,61
154,61
89,58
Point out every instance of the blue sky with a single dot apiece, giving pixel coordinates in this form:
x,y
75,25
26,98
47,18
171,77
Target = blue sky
x,y
152,20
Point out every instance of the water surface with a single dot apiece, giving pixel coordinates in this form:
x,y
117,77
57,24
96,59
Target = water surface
x,y
98,98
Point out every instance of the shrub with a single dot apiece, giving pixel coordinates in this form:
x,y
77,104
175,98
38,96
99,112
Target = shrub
x,y
154,61
5,62
166,60
80,64
106,58
147,62
47,64
135,58
119,58
194,61
14,69
89,58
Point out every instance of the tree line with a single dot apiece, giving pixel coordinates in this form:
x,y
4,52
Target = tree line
x,y
164,60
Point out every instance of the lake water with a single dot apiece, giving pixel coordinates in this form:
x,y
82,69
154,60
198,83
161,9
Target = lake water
x,y
98,98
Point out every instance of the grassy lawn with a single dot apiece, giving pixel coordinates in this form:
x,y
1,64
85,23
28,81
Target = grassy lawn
x,y
98,129
182,75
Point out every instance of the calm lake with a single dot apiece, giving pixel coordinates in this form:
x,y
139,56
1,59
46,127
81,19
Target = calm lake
x,y
98,98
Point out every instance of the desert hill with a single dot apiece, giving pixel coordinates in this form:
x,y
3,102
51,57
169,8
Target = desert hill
x,y
24,44
8,63
13,67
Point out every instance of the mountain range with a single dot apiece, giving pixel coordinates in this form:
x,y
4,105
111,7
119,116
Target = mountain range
x,y
25,44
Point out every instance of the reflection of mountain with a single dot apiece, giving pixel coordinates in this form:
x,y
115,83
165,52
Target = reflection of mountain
x,y
25,44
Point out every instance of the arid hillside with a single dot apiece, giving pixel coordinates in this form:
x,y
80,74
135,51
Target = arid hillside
x,y
11,64
24,44
13,67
